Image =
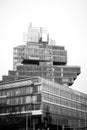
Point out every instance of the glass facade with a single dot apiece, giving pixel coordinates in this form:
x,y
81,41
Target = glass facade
x,y
66,103
59,74
38,86
19,97
40,57
67,107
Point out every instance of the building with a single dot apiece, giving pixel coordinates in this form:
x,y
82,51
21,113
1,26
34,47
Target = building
x,y
41,57
36,94
41,102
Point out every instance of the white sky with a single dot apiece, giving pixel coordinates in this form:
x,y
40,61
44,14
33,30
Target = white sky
x,y
65,20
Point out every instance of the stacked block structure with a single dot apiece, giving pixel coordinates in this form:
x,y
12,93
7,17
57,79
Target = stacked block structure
x,y
36,94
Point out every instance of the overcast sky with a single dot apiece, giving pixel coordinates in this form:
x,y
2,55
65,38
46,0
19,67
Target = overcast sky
x,y
65,20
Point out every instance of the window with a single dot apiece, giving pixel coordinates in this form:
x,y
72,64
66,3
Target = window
x,y
34,99
12,101
37,107
16,100
8,93
35,89
4,102
57,100
73,104
39,98
17,91
23,108
3,110
39,88
4,94
23,100
8,102
63,111
31,89
62,101
0,93
12,92
16,109
28,99
22,91
28,90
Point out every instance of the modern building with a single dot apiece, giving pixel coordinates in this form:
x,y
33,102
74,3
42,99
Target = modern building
x,y
36,94
40,103
41,57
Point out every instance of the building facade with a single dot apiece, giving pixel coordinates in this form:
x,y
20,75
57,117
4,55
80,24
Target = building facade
x,y
42,103
41,57
36,94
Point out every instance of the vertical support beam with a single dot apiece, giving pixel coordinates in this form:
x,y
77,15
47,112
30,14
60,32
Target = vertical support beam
x,y
57,124
63,127
26,121
33,123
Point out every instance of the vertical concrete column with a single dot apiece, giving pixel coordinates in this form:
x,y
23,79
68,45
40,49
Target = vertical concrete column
x,y
33,123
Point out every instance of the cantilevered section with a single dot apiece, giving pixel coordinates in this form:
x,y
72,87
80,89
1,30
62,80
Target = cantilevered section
x,y
34,53
59,74
40,56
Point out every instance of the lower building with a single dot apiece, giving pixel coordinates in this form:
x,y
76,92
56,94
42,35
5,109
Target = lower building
x,y
36,103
